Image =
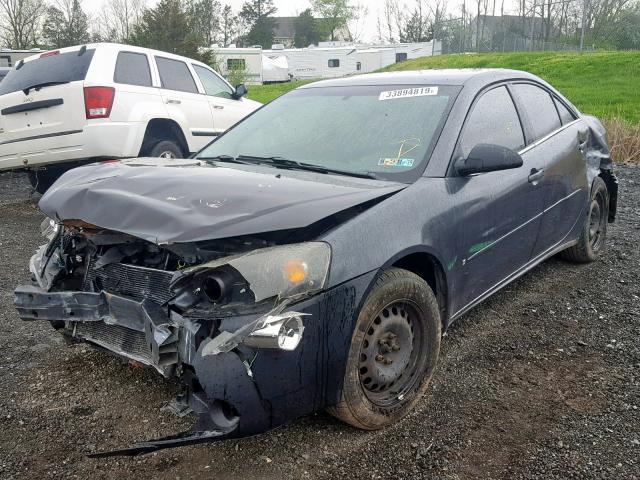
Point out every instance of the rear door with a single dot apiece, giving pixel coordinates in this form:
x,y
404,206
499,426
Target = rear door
x,y
184,102
226,110
498,213
558,141
44,97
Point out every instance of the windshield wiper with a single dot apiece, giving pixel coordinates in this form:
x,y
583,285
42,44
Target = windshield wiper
x,y
285,163
38,86
279,162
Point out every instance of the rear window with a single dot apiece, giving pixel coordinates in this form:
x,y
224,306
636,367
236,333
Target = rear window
x,y
62,68
540,109
175,75
132,69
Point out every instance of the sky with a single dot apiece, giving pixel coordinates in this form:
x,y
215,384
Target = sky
x,y
287,8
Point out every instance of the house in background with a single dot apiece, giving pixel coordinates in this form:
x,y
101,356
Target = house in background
x,y
284,32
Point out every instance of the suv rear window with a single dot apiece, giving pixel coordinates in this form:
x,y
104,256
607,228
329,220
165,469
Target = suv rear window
x,y
62,68
132,69
175,75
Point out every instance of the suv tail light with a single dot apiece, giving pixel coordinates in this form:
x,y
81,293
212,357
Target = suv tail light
x,y
98,101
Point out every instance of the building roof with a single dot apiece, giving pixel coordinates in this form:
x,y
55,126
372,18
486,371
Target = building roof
x,y
285,27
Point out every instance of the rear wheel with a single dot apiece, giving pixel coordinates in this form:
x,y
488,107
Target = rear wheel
x,y
165,149
393,353
594,231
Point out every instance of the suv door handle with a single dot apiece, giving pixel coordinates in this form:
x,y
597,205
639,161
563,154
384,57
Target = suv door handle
x,y
174,101
218,107
536,174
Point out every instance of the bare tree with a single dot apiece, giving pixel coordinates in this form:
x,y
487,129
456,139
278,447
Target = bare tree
x,y
357,24
119,17
20,22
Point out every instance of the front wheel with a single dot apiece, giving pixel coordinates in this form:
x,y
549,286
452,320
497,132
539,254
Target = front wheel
x,y
594,231
393,353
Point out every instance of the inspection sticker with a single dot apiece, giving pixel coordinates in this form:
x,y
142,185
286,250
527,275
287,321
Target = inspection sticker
x,y
408,92
396,162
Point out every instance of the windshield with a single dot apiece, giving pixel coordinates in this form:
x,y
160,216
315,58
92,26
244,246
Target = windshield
x,y
61,68
386,131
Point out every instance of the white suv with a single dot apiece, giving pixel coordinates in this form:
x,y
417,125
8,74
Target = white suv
x,y
107,101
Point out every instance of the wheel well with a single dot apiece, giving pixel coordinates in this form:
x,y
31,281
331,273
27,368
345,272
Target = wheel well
x,y
428,268
163,129
612,187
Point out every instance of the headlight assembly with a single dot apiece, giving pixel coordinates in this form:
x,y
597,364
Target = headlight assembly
x,y
49,228
284,271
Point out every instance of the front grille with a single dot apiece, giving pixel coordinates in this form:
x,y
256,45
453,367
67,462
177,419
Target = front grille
x,y
133,281
116,338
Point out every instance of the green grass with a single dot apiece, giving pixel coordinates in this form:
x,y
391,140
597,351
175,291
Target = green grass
x,y
266,93
605,84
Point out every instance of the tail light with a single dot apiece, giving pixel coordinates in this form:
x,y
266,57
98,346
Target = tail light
x,y
98,101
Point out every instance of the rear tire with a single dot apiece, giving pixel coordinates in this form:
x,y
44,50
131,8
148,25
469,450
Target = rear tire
x,y
594,231
166,149
393,353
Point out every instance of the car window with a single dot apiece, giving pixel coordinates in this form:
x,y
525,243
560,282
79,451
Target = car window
x,y
213,85
493,120
538,105
53,68
132,69
175,75
565,115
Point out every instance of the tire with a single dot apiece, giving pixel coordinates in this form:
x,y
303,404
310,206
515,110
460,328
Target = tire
x,y
393,354
166,149
42,179
594,231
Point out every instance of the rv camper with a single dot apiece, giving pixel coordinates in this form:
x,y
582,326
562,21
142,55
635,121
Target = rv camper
x,y
248,61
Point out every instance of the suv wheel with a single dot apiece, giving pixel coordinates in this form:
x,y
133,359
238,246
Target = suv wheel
x,y
166,149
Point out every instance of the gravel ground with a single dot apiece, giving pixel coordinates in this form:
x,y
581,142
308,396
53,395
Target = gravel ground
x,y
541,381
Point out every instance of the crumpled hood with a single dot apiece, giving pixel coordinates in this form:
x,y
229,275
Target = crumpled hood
x,y
187,201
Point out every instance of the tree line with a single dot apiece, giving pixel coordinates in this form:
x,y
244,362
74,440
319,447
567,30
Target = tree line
x,y
185,27
493,25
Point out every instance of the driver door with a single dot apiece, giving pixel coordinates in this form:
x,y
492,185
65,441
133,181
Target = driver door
x,y
498,213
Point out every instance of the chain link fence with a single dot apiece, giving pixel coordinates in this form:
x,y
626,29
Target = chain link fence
x,y
542,25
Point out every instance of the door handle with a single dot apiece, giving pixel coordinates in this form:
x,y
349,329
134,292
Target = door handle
x,y
536,174
173,101
218,107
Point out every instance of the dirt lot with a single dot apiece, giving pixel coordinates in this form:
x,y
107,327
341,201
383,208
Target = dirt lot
x,y
541,381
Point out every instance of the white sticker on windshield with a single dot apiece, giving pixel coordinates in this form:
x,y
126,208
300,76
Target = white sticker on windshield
x,y
408,92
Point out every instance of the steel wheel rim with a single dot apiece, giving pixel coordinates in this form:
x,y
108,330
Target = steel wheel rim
x,y
597,221
167,154
392,354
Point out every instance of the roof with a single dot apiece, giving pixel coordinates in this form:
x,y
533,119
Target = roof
x,y
431,77
284,27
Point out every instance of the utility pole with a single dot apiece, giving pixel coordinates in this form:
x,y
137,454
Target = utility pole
x,y
584,23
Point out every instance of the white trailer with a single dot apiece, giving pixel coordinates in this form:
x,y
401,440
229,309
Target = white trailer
x,y
372,59
9,58
248,60
325,62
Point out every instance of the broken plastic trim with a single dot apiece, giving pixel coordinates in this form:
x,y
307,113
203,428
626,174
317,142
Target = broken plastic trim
x,y
268,331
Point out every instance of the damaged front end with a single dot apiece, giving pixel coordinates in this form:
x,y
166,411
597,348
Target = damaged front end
x,y
209,314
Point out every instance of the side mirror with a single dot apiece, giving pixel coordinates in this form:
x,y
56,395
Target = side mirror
x,y
241,91
485,157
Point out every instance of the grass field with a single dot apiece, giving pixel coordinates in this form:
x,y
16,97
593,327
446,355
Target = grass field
x,y
604,84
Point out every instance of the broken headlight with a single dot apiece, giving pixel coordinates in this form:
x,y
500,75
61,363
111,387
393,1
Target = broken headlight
x,y
284,271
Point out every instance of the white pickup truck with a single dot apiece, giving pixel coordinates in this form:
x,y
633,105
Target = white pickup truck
x,y
102,101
